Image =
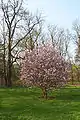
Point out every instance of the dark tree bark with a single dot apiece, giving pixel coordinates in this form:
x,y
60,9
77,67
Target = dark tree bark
x,y
9,66
4,55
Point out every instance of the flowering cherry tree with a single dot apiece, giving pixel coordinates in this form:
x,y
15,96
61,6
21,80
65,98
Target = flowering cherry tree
x,y
45,68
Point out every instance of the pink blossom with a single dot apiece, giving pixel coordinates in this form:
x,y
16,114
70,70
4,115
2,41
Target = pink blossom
x,y
44,67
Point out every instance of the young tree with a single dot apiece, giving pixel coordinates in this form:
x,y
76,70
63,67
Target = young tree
x,y
44,67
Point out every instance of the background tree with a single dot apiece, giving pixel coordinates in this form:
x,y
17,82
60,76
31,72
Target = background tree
x,y
18,25
61,39
76,28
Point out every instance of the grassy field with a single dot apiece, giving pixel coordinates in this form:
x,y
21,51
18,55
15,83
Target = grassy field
x,y
26,104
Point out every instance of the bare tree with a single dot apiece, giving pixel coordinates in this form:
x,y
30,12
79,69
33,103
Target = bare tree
x,y
76,28
16,21
60,38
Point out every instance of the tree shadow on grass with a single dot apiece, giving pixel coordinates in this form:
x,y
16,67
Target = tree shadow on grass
x,y
69,94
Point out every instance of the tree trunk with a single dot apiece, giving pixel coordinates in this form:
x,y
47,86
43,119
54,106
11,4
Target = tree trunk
x,y
4,55
4,66
9,72
9,66
5,77
44,93
72,77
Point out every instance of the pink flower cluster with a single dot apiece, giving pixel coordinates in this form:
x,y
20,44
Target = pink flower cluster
x,y
44,67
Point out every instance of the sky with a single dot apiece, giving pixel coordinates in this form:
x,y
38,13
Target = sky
x,y
58,12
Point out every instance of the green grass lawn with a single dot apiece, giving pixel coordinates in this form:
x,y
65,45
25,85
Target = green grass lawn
x,y
26,104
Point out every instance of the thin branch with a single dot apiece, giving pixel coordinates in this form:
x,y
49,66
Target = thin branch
x,y
24,36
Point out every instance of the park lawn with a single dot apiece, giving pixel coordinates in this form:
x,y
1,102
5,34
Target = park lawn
x,y
26,104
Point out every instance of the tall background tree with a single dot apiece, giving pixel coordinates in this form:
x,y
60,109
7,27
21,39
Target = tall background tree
x,y
61,39
18,24
76,28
